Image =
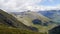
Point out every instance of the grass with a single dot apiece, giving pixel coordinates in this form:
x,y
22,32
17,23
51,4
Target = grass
x,y
7,30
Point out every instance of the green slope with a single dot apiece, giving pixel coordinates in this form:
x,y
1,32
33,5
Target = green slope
x,y
6,30
10,25
8,19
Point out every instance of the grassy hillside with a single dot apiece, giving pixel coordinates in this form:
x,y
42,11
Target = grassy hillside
x,y
6,30
9,20
10,25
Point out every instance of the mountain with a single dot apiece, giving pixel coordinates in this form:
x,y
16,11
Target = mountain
x,y
49,13
54,15
9,20
34,19
9,23
41,20
31,16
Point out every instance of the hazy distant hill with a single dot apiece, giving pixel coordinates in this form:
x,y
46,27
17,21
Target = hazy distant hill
x,y
52,14
49,13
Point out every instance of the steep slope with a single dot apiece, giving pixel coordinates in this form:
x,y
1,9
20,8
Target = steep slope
x,y
11,21
10,25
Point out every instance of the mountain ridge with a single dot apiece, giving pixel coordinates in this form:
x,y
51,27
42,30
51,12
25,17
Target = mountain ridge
x,y
8,19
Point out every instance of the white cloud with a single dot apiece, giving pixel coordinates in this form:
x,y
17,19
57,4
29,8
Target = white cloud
x,y
21,5
17,4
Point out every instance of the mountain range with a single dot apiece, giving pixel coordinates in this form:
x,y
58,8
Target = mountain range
x,y
32,22
35,19
52,14
10,25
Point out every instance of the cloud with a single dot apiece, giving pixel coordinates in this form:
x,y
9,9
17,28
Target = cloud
x,y
17,4
22,5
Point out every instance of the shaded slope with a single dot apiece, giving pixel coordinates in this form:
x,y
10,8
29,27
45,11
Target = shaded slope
x,y
55,30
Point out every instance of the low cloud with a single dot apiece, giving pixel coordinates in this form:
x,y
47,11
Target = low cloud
x,y
23,5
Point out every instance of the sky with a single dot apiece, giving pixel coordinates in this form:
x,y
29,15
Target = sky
x,y
33,5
